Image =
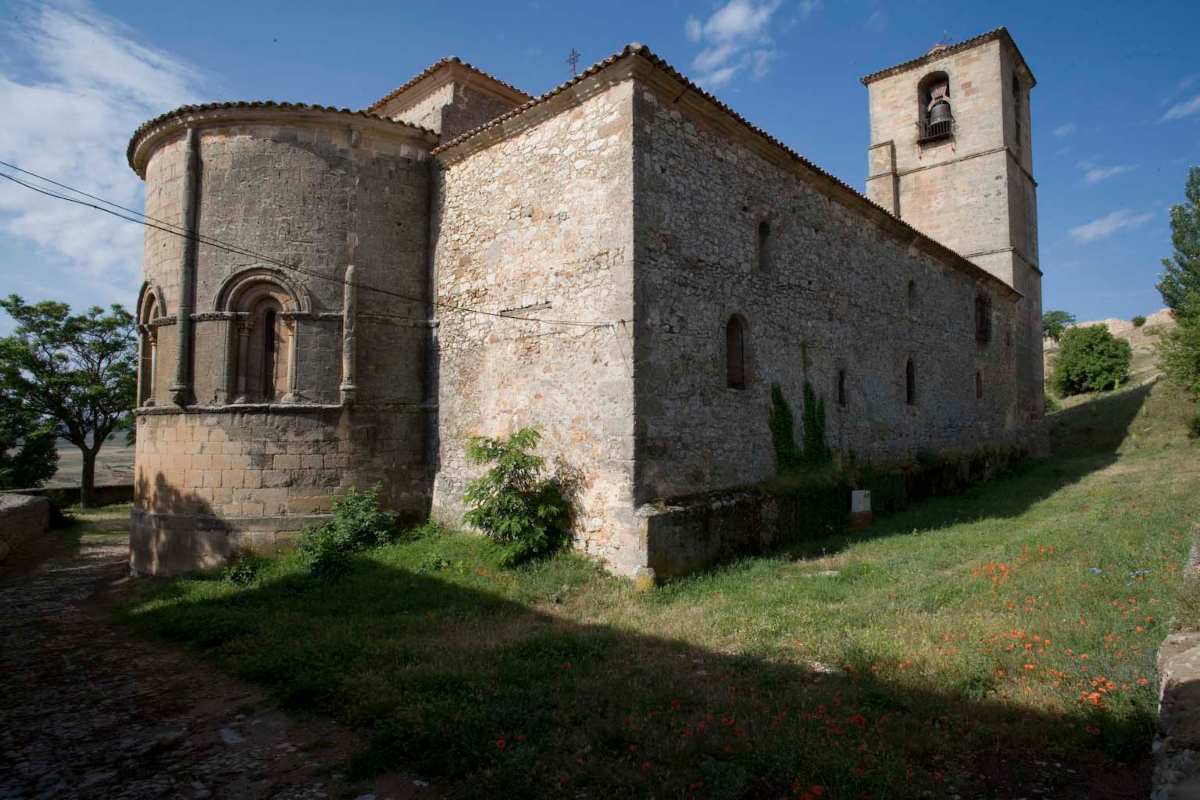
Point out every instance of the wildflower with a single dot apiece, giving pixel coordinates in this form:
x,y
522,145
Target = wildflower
x,y
500,743
645,766
1029,667
1093,730
1142,681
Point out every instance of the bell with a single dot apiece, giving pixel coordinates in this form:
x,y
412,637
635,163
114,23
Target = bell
x,y
940,113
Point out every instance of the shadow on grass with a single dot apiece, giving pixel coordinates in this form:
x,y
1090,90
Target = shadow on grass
x,y
495,698
1084,439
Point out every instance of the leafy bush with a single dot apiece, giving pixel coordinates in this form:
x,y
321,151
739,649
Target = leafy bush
x,y
1052,404
1090,359
1138,321
782,424
243,570
1194,427
1178,349
358,524
512,503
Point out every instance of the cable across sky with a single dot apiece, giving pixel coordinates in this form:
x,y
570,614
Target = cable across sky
x,y
141,218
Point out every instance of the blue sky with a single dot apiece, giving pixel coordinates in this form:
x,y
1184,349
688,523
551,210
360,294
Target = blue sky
x,y
1116,113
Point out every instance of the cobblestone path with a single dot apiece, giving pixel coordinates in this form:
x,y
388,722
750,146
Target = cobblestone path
x,y
89,710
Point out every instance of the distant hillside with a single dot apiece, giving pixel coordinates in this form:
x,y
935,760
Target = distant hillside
x,y
1140,339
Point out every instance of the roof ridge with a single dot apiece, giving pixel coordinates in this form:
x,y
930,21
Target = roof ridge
x,y
434,67
636,48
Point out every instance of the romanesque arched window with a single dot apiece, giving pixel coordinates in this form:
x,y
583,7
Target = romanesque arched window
x,y
936,119
910,383
264,345
148,313
764,246
735,353
263,307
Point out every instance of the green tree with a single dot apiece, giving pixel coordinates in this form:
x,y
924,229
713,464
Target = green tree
x,y
1178,348
75,370
1090,359
1181,272
1055,322
28,456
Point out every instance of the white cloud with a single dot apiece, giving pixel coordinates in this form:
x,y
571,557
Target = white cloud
x,y
1182,109
1095,174
1064,130
1109,224
85,86
878,20
736,36
810,7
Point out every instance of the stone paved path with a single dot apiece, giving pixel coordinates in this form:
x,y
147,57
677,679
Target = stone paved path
x,y
88,710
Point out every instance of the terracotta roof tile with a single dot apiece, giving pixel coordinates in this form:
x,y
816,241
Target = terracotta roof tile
x,y
432,68
636,49
193,109
940,51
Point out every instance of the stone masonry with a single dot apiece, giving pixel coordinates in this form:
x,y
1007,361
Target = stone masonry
x,y
623,262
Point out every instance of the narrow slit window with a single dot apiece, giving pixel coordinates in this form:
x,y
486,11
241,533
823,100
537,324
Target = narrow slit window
x,y
764,246
978,385
735,353
910,383
841,387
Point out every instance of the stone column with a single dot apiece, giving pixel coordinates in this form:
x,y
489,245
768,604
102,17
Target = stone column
x,y
244,328
349,301
181,390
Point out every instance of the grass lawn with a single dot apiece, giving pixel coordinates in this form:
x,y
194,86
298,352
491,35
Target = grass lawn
x,y
999,643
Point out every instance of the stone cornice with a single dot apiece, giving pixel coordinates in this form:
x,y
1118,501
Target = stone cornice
x,y
147,138
941,51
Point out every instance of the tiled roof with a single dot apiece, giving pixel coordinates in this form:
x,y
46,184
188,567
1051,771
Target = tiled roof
x,y
253,104
636,49
432,68
945,50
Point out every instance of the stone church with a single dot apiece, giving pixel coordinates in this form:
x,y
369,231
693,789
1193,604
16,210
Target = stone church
x,y
623,262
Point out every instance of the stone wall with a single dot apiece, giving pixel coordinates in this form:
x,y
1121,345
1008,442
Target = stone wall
x,y
973,192
312,193
452,109
540,224
834,297
21,518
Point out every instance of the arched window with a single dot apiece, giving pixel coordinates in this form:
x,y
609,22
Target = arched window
x,y
148,348
910,383
735,353
764,246
978,385
936,119
983,318
264,355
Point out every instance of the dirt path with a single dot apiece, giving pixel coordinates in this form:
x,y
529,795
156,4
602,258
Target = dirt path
x,y
89,710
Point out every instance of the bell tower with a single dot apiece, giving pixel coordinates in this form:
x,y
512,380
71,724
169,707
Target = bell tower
x,y
951,155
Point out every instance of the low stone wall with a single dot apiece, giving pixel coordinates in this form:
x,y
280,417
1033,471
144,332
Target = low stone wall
x,y
689,534
21,517
64,496
1177,747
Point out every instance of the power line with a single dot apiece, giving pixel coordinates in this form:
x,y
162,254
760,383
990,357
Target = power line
x,y
176,230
